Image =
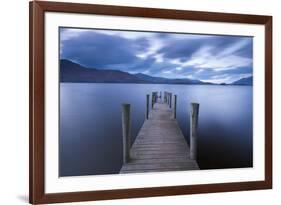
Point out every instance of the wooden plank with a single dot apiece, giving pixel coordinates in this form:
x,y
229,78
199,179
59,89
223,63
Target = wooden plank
x,y
156,167
159,145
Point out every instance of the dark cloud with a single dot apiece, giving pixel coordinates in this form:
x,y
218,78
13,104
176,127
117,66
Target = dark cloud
x,y
137,66
184,48
180,48
247,50
141,44
241,70
99,50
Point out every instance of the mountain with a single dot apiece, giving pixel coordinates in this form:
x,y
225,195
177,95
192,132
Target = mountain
x,y
73,72
149,78
244,81
160,80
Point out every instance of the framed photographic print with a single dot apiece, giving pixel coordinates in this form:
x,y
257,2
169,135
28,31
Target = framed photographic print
x,y
139,102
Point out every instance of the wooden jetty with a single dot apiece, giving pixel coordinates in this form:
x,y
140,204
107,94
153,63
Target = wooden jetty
x,y
160,144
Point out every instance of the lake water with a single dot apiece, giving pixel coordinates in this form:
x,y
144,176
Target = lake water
x,y
90,139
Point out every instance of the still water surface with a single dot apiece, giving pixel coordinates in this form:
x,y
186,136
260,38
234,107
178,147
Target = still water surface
x,y
90,139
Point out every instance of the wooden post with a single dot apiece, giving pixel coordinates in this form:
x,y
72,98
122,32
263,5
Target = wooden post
x,y
194,111
147,106
126,129
152,99
170,100
175,107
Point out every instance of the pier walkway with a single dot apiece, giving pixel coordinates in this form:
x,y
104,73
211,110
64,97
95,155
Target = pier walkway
x,y
159,145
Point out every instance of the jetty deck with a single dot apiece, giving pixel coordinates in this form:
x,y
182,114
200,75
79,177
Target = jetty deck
x,y
159,145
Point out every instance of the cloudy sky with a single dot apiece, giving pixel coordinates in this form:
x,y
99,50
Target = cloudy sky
x,y
209,58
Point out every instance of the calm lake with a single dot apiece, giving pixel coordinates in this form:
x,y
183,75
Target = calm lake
x,y
90,139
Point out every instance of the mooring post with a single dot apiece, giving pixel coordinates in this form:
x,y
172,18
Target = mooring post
x,y
156,96
152,99
194,111
170,100
147,106
126,129
175,107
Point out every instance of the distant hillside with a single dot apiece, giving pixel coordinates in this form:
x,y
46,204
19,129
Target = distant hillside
x,y
73,72
159,80
149,78
244,81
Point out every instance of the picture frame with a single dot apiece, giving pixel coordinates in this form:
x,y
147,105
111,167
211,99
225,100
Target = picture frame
x,y
38,99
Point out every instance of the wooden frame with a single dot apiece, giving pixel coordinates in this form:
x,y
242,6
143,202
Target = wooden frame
x,y
37,95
